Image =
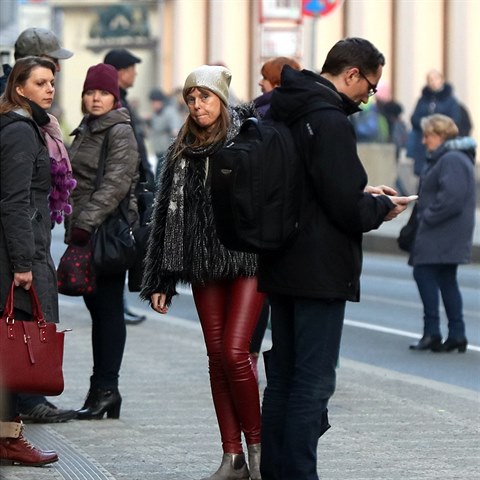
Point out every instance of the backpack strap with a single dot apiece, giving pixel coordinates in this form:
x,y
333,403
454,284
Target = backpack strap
x,y
101,162
123,205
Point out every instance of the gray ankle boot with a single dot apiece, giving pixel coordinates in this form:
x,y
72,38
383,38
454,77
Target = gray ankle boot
x,y
233,467
254,461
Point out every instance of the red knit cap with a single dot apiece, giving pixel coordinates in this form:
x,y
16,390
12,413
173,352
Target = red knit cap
x,y
102,77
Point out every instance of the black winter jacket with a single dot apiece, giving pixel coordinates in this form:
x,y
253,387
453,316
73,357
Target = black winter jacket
x,y
326,258
25,227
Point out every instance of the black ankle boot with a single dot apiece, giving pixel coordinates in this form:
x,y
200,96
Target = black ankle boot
x,y
428,342
100,401
450,344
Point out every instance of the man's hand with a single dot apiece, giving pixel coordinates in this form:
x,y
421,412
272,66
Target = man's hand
x,y
380,190
401,204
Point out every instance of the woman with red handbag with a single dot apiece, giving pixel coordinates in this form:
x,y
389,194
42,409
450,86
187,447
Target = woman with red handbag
x,y
25,222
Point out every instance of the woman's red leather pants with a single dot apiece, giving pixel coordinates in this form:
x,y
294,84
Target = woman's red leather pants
x,y
228,314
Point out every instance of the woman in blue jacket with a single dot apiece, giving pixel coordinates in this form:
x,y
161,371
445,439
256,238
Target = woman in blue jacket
x,y
446,215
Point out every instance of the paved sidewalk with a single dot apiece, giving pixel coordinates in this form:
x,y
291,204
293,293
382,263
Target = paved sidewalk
x,y
385,425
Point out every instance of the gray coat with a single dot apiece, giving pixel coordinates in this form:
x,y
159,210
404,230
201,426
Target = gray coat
x,y
164,125
25,227
446,206
91,207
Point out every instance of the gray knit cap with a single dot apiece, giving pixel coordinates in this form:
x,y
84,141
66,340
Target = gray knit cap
x,y
214,78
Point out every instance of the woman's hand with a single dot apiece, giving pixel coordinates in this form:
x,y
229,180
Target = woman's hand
x,y
158,302
23,279
79,237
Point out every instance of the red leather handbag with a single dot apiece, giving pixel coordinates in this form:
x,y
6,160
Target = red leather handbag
x,y
31,352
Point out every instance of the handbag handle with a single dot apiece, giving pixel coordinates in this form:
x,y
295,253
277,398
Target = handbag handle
x,y
37,313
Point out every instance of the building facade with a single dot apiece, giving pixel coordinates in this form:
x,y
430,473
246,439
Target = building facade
x,y
175,36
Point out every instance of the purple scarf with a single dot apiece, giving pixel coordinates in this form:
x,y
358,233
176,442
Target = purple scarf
x,y
61,170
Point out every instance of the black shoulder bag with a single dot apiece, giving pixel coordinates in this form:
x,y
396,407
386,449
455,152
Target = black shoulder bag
x,y
113,243
406,238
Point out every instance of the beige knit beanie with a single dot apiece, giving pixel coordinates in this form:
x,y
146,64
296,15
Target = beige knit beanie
x,y
214,78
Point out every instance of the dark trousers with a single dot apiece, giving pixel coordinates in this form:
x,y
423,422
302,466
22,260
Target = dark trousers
x,y
228,313
306,336
259,332
108,329
433,280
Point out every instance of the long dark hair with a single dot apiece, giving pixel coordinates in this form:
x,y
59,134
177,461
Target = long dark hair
x,y
21,71
193,136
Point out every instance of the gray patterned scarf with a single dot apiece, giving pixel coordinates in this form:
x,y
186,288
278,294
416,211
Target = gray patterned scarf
x,y
174,226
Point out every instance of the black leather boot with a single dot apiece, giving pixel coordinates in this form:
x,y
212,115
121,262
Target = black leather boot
x,y
428,342
450,344
100,401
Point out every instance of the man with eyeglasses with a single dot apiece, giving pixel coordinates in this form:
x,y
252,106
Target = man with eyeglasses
x,y
309,283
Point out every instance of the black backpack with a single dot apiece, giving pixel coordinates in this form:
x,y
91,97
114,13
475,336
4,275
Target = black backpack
x,y
257,181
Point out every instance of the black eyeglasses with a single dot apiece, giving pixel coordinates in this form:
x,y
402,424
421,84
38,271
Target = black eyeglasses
x,y
372,88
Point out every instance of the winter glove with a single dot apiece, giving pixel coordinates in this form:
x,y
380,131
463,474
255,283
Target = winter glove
x,y
79,237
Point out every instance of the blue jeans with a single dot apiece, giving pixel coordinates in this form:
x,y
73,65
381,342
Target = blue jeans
x,y
431,280
306,336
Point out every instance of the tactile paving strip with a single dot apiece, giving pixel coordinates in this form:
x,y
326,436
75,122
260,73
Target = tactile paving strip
x,y
73,464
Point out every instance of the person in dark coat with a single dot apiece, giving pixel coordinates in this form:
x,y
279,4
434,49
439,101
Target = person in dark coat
x,y
125,63
92,204
184,247
270,72
41,42
437,97
309,284
25,223
446,217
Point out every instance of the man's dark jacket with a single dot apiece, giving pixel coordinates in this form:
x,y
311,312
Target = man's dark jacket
x,y
145,169
325,260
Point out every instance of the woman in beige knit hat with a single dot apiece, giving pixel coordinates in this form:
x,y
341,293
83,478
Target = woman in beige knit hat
x,y
184,247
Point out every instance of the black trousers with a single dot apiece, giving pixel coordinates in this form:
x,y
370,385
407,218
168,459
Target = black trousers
x,y
109,333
